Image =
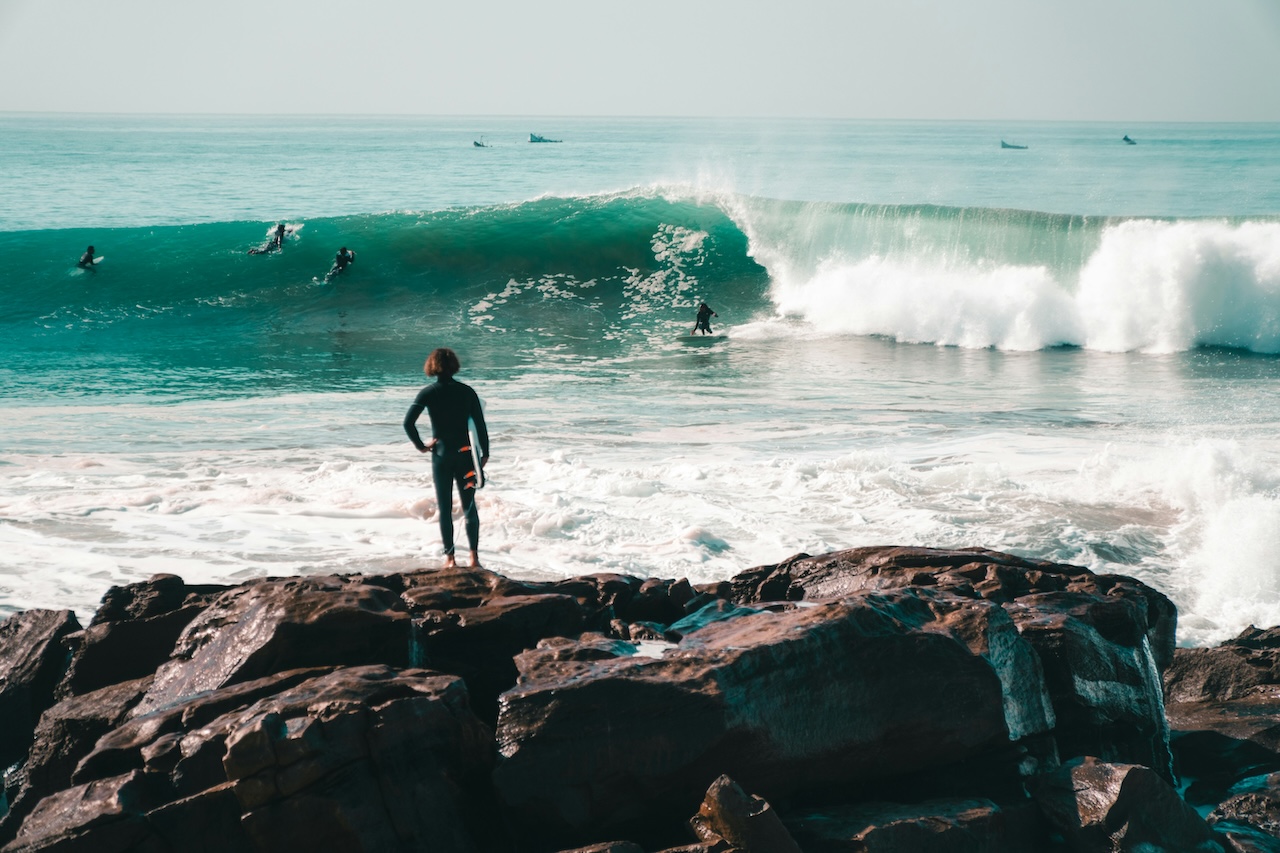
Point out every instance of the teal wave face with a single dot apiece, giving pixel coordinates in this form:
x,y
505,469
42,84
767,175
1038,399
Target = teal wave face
x,y
598,274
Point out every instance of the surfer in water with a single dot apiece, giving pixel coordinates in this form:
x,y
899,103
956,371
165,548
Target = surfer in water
x,y
86,260
704,319
341,261
450,404
275,242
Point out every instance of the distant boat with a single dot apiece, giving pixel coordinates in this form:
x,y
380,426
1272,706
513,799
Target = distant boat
x,y
1004,144
533,137
480,143
1128,141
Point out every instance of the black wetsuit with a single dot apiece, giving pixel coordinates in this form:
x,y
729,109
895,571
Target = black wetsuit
x,y
86,261
449,403
704,319
341,261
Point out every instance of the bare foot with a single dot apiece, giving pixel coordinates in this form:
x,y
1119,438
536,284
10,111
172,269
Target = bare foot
x,y
450,562
475,560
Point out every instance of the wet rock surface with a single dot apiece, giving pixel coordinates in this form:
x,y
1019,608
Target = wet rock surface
x,y
1224,708
32,661
878,699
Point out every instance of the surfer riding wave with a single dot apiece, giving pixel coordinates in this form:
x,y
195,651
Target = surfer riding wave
x,y
704,319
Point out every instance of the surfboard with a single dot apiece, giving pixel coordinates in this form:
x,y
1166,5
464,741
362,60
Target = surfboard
x,y
476,474
99,259
703,339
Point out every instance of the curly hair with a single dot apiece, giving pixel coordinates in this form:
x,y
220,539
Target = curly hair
x,y
442,362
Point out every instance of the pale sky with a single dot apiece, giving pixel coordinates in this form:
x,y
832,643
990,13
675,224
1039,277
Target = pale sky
x,y
1102,60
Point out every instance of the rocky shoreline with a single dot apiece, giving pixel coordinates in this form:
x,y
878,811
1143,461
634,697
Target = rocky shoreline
x,y
878,699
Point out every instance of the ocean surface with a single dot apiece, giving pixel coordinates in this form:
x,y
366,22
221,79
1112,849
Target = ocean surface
x,y
1069,351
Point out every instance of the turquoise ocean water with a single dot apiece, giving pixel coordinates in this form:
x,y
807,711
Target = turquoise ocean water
x,y
1067,351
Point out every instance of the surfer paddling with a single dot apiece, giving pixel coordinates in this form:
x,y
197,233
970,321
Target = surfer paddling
x,y
704,319
86,260
341,261
275,242
455,415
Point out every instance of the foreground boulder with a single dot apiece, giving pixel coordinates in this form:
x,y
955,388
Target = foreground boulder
x,y
67,732
361,758
269,626
133,632
729,816
1241,667
1102,640
1121,807
1224,708
32,662
842,693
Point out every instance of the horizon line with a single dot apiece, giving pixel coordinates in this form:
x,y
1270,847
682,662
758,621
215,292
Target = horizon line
x,y
618,116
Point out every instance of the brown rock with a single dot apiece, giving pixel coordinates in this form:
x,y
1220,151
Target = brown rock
x,y
1120,807
1233,670
746,822
480,642
271,626
1102,639
1258,808
376,761
657,600
105,815
66,733
1212,761
127,746
603,592
32,661
841,692
459,588
1246,839
360,758
936,826
154,597
109,653
716,610
208,822
966,571
1103,681
1223,705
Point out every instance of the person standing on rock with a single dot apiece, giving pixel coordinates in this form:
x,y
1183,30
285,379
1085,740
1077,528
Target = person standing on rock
x,y
453,409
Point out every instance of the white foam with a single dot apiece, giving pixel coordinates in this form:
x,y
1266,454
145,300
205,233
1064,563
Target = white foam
x,y
859,443
1169,286
1013,308
1149,286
